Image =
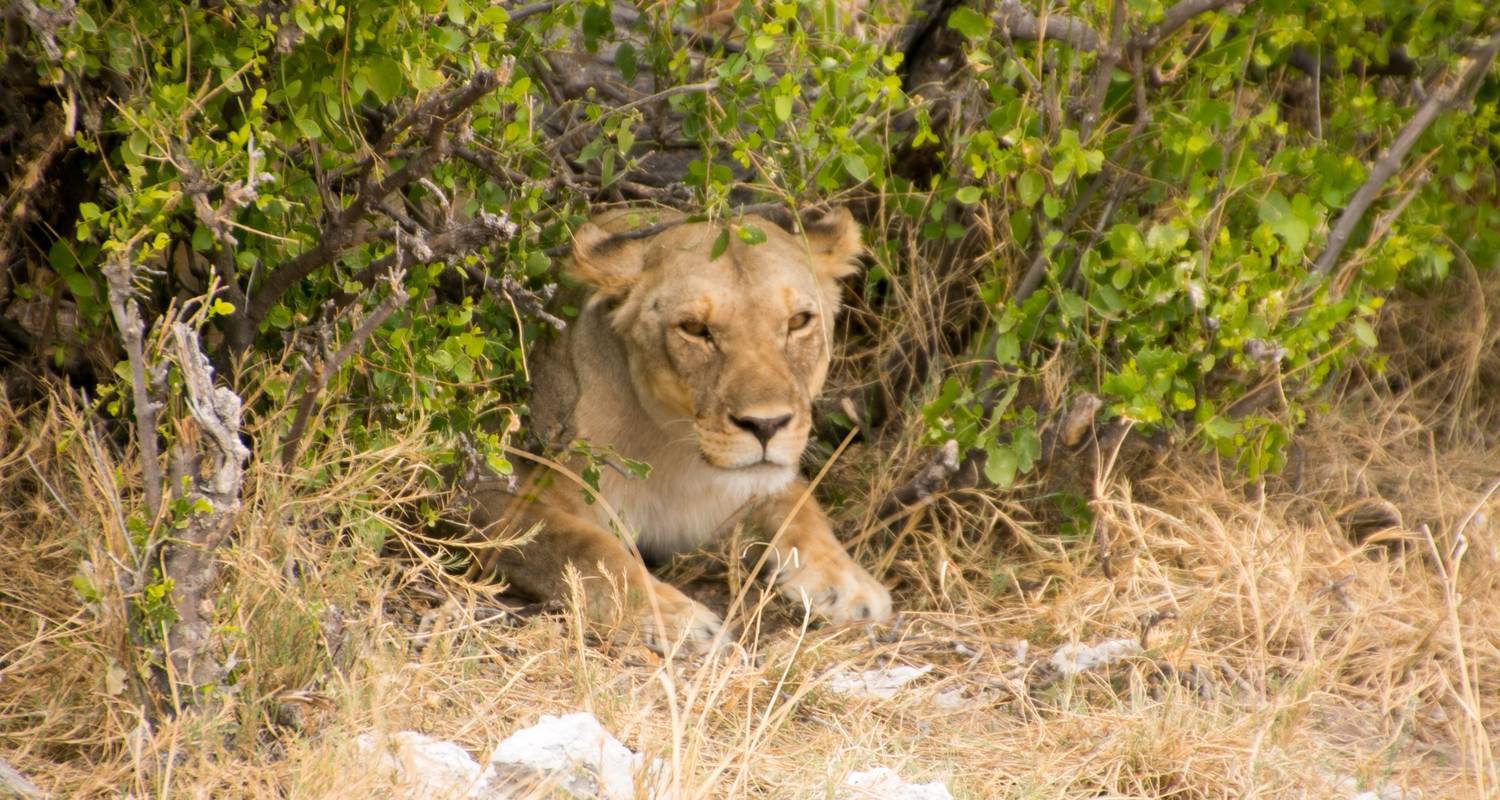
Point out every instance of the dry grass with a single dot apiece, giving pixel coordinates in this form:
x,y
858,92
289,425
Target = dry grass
x,y
1283,658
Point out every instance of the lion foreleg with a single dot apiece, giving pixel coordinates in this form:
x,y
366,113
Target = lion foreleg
x,y
810,567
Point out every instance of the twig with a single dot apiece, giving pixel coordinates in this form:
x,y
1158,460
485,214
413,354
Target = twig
x,y
651,230
484,229
127,314
1178,16
532,302
319,378
348,229
1445,97
687,88
925,483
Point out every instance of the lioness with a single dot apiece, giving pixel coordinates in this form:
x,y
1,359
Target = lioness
x,y
704,368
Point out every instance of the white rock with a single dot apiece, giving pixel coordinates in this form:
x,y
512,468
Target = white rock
x,y
879,684
572,753
882,783
951,700
420,767
1071,659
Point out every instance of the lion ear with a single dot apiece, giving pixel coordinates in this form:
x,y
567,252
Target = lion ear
x,y
834,241
608,264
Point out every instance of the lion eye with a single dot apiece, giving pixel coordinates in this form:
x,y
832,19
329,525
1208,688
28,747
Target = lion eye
x,y
798,322
696,330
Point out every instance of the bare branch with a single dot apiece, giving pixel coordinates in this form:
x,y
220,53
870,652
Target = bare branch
x,y
1447,96
44,22
349,227
1021,24
1103,72
119,273
212,466
1177,17
317,379
533,303
485,229
925,483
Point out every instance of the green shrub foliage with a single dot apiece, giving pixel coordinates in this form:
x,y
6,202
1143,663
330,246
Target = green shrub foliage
x,y
1139,190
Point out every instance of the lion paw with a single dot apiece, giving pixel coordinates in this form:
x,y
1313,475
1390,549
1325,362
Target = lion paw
x,y
683,624
834,587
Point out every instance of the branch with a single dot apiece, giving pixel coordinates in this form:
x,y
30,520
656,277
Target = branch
x,y
532,302
1176,17
483,230
1104,70
1445,97
44,23
317,381
50,138
127,314
1397,63
213,466
1020,24
924,484
348,229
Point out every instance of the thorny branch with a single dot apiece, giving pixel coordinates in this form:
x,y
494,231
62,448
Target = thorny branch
x,y
350,226
1447,96
316,378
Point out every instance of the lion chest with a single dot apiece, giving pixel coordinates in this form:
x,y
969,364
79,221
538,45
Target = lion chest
x,y
680,507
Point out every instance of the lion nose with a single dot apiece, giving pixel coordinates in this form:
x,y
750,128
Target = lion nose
x,y
762,427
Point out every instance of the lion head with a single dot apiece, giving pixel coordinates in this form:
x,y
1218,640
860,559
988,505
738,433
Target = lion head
x,y
732,345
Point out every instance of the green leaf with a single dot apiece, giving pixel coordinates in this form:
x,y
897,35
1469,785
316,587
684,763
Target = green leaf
x,y
1288,219
597,24
1029,186
1365,334
1218,427
80,286
385,78
203,240
625,61
968,195
721,243
1001,465
970,23
750,234
782,105
309,128
855,165
1007,349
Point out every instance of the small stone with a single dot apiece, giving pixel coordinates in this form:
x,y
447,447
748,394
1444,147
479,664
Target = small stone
x,y
1072,659
572,753
420,767
878,684
882,783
